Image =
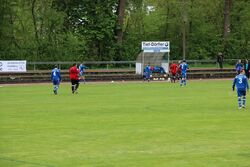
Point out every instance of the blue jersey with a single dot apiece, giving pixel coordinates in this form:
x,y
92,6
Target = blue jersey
x,y
55,75
183,67
82,69
241,82
238,66
148,69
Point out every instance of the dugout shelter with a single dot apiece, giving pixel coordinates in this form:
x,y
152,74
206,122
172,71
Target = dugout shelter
x,y
155,53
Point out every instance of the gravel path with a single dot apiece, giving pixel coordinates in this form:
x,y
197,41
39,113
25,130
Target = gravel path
x,y
104,82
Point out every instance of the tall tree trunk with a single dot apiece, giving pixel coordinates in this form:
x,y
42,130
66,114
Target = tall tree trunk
x,y
35,27
34,19
226,29
184,30
227,8
121,15
190,19
167,20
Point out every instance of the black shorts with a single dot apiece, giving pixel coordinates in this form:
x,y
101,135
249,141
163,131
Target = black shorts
x,y
74,82
173,74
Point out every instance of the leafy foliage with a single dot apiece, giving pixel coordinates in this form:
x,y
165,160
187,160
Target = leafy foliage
x,y
78,30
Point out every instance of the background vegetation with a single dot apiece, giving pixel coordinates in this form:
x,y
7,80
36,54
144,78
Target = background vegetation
x,y
91,30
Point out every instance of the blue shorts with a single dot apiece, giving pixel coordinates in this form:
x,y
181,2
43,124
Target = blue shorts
x,y
184,75
147,75
81,73
56,82
241,93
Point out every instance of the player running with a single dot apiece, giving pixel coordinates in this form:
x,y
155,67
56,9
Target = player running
x,y
56,79
241,83
82,68
184,68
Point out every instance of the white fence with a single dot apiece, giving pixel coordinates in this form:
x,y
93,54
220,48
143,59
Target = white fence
x,y
123,64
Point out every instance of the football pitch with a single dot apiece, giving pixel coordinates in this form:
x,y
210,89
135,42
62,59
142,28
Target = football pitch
x,y
155,124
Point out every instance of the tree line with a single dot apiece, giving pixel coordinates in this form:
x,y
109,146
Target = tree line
x,y
103,30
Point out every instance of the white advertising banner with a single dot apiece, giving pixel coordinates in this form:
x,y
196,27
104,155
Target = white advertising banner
x,y
13,66
156,46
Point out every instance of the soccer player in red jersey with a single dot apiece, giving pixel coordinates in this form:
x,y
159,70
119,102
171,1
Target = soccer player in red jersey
x,y
179,71
74,78
173,71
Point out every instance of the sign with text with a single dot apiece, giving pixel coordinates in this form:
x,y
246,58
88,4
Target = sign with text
x,y
156,46
13,66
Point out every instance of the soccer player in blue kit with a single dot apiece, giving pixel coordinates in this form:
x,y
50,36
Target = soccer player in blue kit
x,y
82,68
147,73
184,67
241,83
56,79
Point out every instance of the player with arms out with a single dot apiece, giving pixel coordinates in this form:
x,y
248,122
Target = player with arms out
x,y
82,68
74,78
56,79
241,83
183,67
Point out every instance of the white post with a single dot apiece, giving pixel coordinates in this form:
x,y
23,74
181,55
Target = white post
x,y
142,62
168,57
138,68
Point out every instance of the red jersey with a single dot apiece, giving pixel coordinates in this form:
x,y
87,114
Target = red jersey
x,y
74,73
179,69
173,68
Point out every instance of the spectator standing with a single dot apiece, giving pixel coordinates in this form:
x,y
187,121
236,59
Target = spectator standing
x,y
220,58
74,78
246,68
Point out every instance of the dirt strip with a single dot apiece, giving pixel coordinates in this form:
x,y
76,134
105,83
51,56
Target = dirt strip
x,y
108,82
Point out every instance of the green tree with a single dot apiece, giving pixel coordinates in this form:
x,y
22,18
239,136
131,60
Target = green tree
x,y
76,30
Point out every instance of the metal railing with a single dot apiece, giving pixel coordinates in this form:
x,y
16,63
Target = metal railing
x,y
123,64
90,64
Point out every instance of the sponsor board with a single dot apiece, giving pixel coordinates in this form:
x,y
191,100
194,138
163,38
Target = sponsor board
x,y
13,66
156,46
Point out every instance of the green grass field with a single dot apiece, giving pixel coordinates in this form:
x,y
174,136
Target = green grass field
x,y
124,125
